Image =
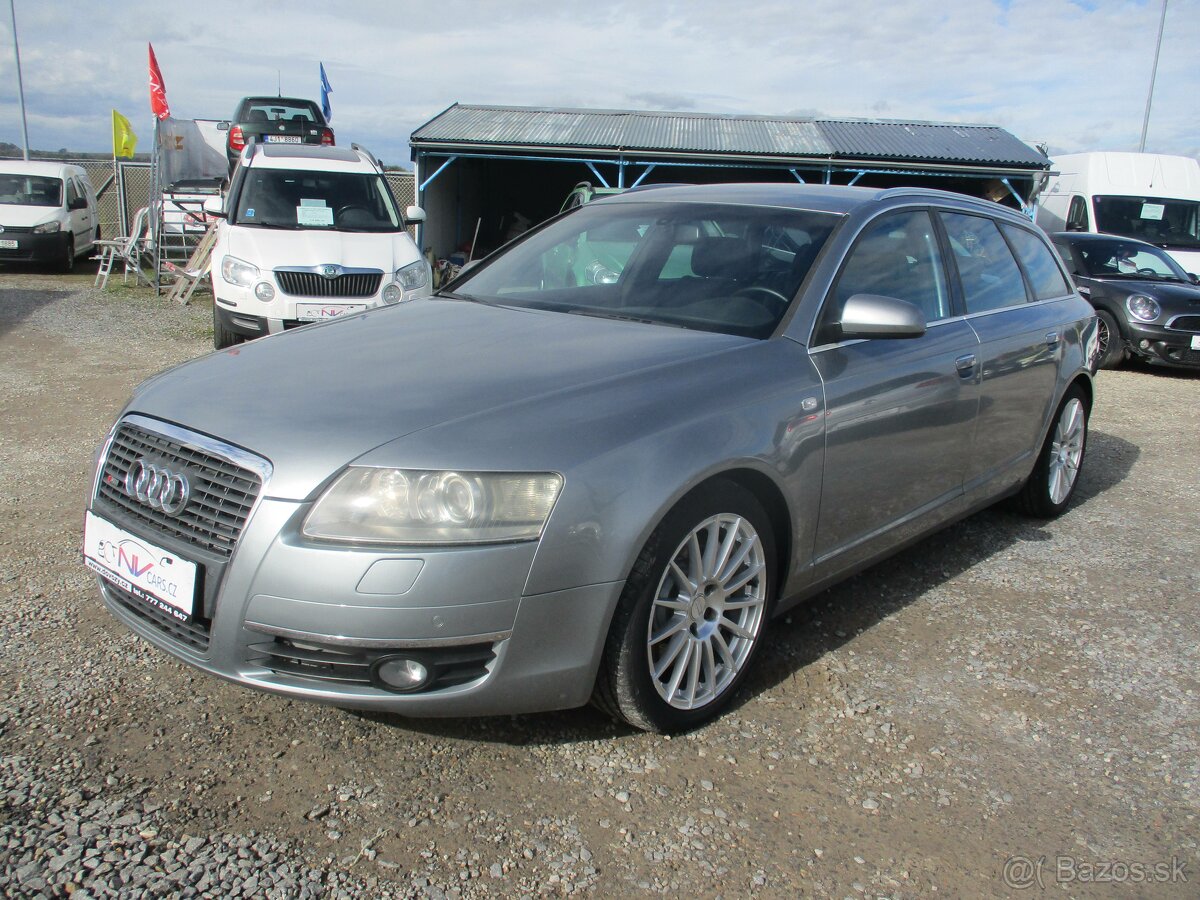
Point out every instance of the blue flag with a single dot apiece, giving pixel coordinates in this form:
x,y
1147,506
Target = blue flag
x,y
326,90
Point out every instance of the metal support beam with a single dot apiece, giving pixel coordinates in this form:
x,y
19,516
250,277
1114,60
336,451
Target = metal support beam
x,y
428,181
1025,208
855,178
649,169
797,176
603,181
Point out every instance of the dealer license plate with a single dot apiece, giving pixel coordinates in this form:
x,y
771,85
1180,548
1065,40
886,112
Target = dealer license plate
x,y
317,312
150,573
281,139
9,245
1196,341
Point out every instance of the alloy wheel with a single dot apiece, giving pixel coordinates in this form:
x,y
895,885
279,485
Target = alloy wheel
x,y
1066,452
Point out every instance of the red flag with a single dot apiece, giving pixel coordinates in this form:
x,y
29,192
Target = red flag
x,y
158,92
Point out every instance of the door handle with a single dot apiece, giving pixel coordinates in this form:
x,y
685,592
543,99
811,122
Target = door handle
x,y
1051,338
965,364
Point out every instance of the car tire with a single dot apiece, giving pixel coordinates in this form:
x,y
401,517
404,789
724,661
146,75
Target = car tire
x,y
1110,346
223,337
676,632
67,263
1055,476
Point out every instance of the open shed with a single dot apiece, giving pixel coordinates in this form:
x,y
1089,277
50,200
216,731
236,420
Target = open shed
x,y
496,169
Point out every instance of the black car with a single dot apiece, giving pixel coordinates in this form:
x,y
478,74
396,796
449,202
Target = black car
x,y
1147,305
275,120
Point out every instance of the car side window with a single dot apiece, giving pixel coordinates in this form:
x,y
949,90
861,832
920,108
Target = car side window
x,y
988,272
895,256
72,192
1045,277
1064,251
1077,218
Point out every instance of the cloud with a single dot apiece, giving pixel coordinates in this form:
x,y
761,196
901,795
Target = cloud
x,y
1073,74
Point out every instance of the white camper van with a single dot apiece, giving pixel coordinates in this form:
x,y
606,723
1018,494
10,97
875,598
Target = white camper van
x,y
1148,196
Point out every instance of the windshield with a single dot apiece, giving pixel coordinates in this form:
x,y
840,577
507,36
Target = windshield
x,y
732,269
30,190
1117,258
320,201
1159,220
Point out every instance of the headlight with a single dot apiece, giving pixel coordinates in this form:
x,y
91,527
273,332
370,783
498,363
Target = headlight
x,y
264,291
405,506
414,275
1142,307
47,228
238,271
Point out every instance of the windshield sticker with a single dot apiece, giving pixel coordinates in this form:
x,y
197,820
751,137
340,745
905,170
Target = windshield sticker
x,y
250,213
314,215
308,202
1153,211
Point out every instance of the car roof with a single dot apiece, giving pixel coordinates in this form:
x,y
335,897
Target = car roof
x,y
1087,237
309,156
38,167
819,197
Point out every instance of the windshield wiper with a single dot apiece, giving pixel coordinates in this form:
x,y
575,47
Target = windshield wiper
x,y
469,298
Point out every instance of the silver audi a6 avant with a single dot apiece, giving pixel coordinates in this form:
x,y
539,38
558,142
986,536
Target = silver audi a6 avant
x,y
602,461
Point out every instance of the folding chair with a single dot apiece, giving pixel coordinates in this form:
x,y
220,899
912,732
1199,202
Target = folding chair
x,y
128,250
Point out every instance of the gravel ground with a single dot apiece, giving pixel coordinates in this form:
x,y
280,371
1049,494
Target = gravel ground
x,y
1008,705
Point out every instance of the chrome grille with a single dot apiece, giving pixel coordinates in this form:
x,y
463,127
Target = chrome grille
x,y
18,229
310,284
1185,323
223,493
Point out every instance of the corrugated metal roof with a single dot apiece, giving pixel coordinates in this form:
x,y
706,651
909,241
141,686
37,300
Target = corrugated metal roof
x,y
667,133
944,142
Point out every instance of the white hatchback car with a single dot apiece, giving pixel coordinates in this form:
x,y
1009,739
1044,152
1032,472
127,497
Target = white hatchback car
x,y
310,234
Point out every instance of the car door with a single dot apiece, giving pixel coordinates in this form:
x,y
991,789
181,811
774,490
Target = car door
x,y
81,218
900,411
1008,278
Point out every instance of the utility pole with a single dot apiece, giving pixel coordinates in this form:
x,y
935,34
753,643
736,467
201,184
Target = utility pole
x,y
20,86
1162,21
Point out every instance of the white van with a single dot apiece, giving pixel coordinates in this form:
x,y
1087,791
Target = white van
x,y
310,233
47,213
1148,196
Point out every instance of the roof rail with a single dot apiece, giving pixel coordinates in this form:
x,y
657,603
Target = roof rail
x,y
889,193
369,155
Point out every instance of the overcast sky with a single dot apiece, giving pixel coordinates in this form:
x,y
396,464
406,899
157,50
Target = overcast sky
x,y
1071,73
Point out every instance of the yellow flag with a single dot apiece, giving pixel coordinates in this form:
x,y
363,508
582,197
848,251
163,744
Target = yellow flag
x,y
124,140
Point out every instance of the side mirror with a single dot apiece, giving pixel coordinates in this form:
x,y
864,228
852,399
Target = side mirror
x,y
78,203
1193,278
214,206
876,316
414,214
222,126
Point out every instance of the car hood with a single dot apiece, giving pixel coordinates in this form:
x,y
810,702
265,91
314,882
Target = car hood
x,y
313,399
28,216
269,248
1169,294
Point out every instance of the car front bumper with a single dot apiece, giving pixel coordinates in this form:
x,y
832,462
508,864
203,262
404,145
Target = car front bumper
x,y
1165,346
312,621
34,247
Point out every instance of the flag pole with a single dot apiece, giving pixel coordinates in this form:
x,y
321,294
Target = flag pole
x,y
20,85
1162,20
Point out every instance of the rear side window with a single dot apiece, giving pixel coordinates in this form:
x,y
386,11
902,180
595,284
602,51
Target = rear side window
x,y
989,274
1077,217
1045,277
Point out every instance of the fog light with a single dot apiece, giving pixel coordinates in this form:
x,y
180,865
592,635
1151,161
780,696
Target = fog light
x,y
392,293
1144,344
264,292
400,673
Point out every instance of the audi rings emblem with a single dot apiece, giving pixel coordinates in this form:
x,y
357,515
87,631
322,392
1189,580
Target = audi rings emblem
x,y
158,487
